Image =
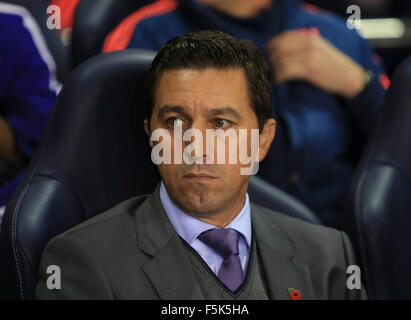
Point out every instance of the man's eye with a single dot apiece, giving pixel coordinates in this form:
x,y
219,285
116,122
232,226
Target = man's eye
x,y
222,123
174,122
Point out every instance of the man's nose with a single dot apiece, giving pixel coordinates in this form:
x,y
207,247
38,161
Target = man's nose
x,y
199,137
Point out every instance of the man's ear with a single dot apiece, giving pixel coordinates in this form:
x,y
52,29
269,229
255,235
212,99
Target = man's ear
x,y
266,138
148,132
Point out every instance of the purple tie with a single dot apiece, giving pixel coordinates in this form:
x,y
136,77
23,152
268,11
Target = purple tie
x,y
225,243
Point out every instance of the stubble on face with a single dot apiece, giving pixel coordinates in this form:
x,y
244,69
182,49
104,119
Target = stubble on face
x,y
200,100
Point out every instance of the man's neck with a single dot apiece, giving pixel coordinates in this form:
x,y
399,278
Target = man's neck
x,y
222,218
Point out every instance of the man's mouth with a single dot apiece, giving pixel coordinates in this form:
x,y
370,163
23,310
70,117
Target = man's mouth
x,y
199,177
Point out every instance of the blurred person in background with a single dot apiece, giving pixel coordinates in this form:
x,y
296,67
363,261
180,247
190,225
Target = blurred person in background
x,y
369,8
28,89
328,85
67,11
391,47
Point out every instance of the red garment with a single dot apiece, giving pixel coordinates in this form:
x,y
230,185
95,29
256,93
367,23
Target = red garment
x,y
67,8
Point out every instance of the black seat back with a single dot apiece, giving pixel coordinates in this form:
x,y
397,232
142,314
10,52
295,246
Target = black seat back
x,y
93,155
94,19
379,199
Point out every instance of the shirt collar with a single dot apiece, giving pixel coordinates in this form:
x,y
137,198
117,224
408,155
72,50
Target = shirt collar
x,y
189,228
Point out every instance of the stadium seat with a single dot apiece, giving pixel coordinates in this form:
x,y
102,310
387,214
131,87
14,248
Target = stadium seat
x,y
94,19
379,198
93,155
266,195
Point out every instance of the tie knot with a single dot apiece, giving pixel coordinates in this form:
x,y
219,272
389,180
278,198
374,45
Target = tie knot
x,y
223,241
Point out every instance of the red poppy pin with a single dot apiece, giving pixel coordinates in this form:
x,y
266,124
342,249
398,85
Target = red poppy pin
x,y
294,294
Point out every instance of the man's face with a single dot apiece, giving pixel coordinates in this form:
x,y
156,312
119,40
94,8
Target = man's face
x,y
204,99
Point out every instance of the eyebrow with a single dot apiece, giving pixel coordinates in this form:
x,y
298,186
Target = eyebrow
x,y
176,109
226,111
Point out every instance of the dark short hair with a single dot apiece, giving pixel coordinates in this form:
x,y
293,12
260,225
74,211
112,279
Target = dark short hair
x,y
214,49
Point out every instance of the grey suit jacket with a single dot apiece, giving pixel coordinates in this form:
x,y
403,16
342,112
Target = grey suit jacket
x,y
133,252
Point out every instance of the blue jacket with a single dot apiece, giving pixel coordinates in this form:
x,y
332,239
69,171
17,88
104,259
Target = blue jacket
x,y
27,83
318,134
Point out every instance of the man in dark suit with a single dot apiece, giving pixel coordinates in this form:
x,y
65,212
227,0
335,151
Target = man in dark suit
x,y
198,236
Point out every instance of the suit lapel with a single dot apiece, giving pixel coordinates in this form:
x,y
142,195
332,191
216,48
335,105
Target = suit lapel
x,y
169,270
276,250
171,274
